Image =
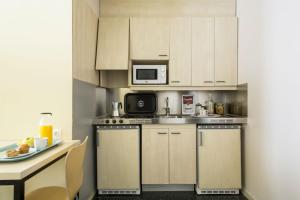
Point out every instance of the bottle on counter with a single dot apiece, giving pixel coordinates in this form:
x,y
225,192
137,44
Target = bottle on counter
x,y
46,127
210,105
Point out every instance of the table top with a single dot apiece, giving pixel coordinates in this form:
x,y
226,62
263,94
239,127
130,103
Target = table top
x,y
21,169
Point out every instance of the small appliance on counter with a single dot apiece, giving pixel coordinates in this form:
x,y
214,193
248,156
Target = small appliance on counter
x,y
116,109
187,105
149,74
137,104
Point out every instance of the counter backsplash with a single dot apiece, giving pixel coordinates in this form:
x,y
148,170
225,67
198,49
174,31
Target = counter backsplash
x,y
238,98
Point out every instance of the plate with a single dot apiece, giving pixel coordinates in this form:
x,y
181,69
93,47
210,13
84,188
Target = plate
x,y
31,151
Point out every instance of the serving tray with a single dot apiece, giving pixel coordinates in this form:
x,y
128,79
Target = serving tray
x,y
14,146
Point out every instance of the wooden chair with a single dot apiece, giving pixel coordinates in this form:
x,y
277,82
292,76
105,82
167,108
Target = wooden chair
x,y
74,178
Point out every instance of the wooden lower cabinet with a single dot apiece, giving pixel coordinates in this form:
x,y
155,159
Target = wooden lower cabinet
x,y
219,157
182,155
169,154
155,165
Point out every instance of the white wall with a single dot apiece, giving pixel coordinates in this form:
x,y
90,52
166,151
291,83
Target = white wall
x,y
269,50
35,74
35,65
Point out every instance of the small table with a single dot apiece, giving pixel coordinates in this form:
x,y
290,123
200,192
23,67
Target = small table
x,y
16,173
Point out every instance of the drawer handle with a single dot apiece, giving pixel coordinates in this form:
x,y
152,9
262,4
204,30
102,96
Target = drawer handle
x,y
163,55
175,81
221,81
176,133
162,133
208,81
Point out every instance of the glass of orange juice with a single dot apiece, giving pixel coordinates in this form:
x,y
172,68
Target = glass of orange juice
x,y
46,127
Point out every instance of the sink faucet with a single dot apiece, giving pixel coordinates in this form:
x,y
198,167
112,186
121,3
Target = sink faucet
x,y
167,108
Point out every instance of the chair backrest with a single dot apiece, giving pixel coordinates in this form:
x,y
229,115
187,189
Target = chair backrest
x,y
74,168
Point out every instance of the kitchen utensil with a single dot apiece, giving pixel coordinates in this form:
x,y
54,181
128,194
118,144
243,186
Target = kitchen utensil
x,y
115,108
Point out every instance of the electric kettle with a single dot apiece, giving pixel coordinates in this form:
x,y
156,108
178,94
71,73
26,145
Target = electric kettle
x,y
115,108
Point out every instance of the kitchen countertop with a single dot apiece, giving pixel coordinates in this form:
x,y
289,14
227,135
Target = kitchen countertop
x,y
172,119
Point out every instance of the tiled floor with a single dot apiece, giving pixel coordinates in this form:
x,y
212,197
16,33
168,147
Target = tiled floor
x,y
172,196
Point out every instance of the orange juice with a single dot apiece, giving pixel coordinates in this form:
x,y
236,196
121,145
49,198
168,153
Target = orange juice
x,y
46,131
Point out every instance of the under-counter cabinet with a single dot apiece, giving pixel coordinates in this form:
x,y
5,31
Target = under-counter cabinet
x,y
219,158
149,38
180,71
113,44
168,154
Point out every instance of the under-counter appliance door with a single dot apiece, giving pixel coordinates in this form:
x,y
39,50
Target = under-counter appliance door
x,y
136,103
219,159
118,160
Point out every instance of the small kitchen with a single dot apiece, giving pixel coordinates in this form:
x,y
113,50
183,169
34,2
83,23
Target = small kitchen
x,y
150,88
174,112
140,99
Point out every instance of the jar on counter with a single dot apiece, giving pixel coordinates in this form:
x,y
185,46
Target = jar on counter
x,y
219,108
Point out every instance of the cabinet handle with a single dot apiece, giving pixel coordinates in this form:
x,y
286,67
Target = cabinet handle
x,y
175,133
221,81
200,138
175,81
162,133
97,139
162,55
208,81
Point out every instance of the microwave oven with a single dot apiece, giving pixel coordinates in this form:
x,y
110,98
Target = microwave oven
x,y
149,74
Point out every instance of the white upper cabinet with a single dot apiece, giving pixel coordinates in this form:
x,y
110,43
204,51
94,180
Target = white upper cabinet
x,y
180,52
226,51
113,44
203,73
149,38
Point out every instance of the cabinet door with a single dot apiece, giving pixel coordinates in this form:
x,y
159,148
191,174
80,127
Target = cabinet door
x,y
219,157
84,41
149,39
118,159
113,44
203,52
155,159
180,52
226,51
182,153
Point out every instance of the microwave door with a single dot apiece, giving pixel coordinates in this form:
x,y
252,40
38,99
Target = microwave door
x,y
146,75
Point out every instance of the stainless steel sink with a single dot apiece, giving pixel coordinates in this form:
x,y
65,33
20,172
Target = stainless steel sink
x,y
170,116
171,119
